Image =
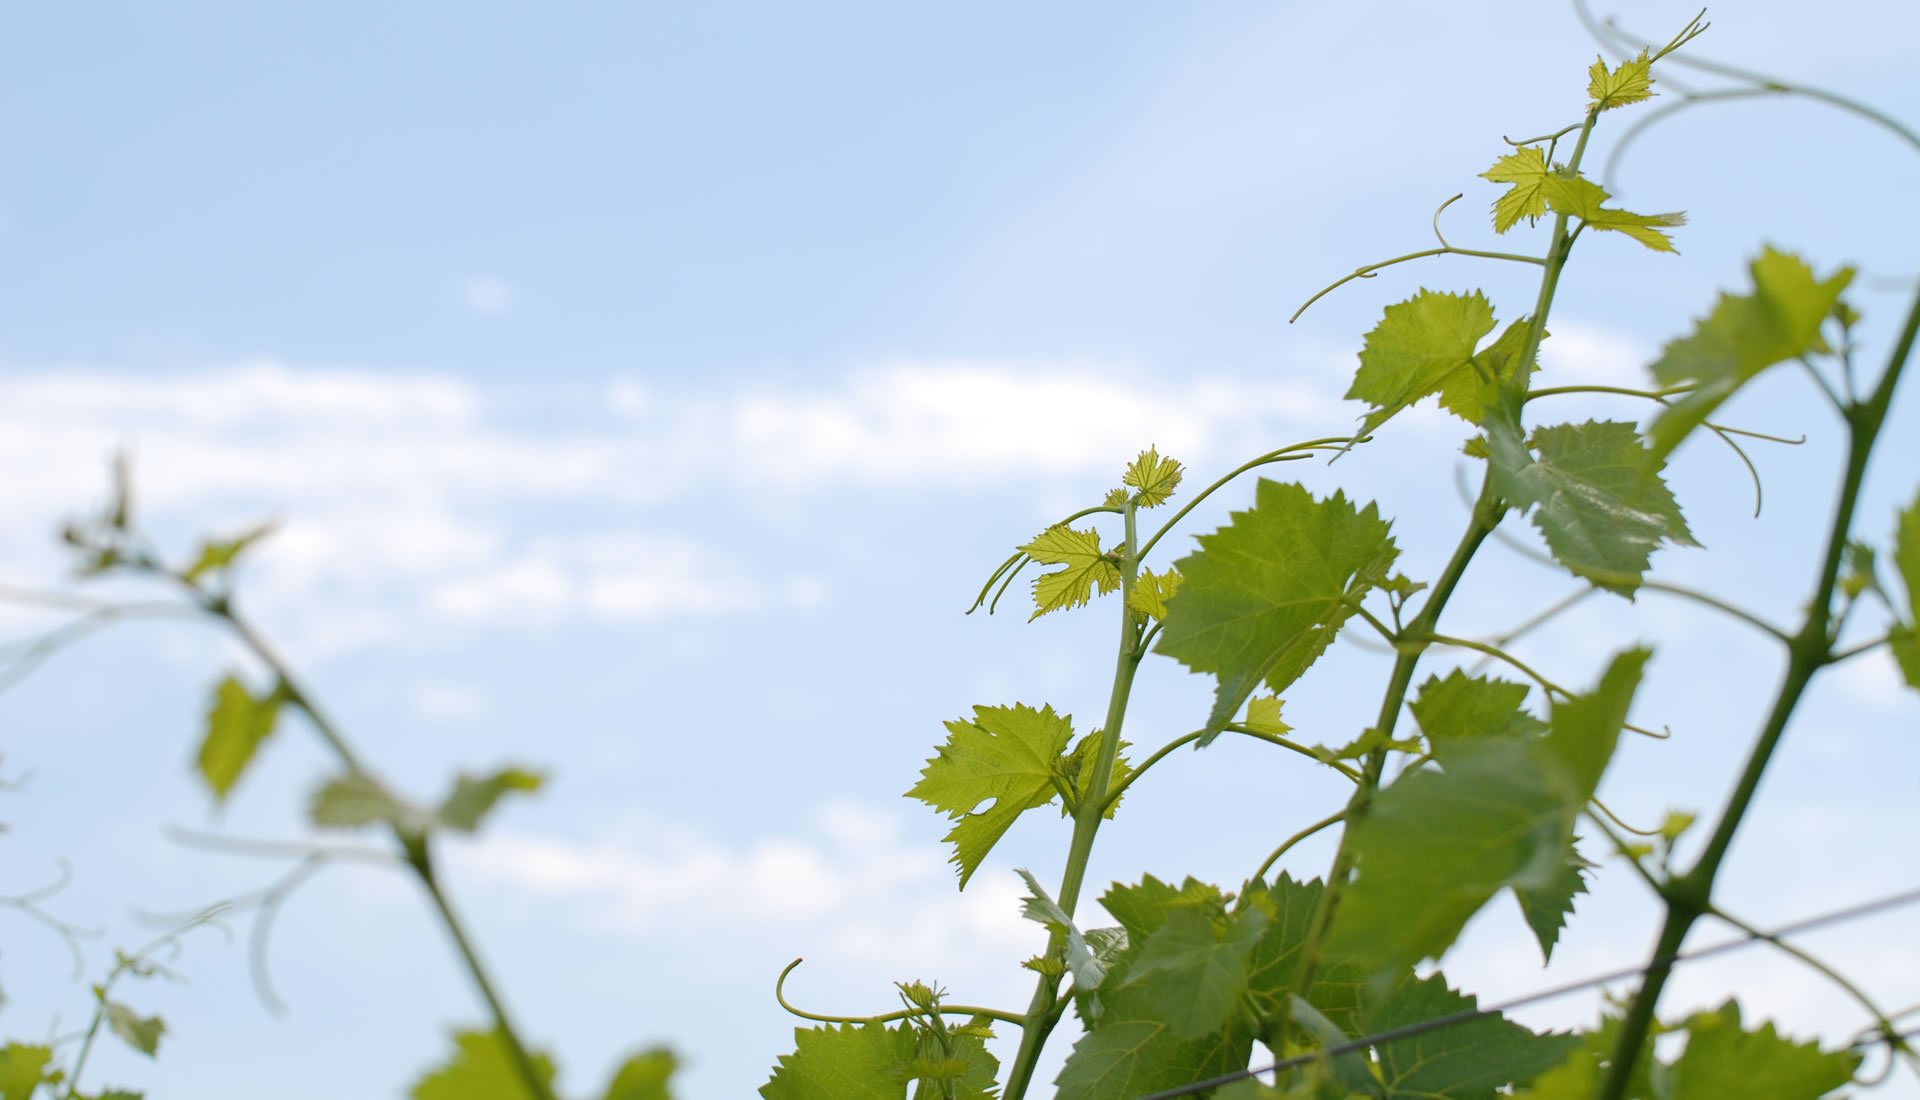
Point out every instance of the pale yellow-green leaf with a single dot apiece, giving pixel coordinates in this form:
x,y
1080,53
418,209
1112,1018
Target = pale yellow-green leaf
x,y
1579,197
1084,568
1629,82
1155,477
1263,716
1151,592
1526,169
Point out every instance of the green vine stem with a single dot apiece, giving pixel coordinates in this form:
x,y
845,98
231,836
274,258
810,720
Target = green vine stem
x,y
1488,510
1042,1012
1690,896
1286,845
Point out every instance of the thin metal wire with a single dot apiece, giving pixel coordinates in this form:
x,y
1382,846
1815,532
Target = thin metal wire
x,y
1836,916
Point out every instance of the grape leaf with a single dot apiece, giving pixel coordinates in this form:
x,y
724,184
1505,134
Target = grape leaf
x,y
142,1033
1289,907
1580,197
1129,1049
1142,909
1578,1077
1629,82
353,800
1352,1070
1085,569
1150,593
1076,768
1116,498
1724,1060
472,798
1462,709
480,1068
237,723
1744,335
1007,754
1586,728
1421,346
1545,908
971,1070
1264,597
1195,967
1088,969
1906,558
1263,716
1438,845
217,554
1468,394
23,1066
1464,1061
842,1063
644,1076
1154,476
1601,502
1526,169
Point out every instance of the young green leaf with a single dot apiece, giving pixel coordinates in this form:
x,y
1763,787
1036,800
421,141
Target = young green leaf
x,y
480,1068
1629,82
1462,709
1155,478
1264,597
1579,197
1263,716
1289,907
218,554
473,798
1195,967
1724,1060
644,1076
1468,394
236,725
1007,754
1076,768
23,1067
1421,346
1142,909
1466,1061
1131,1050
1438,845
1151,592
1601,502
1744,335
1116,498
1526,169
970,1070
1086,966
351,801
1084,569
1906,559
1586,728
1545,908
142,1033
1578,1077
842,1063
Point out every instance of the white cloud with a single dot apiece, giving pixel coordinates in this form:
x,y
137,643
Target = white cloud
x,y
448,702
486,295
876,897
1583,354
403,495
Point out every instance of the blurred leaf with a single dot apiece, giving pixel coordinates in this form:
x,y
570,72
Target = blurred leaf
x,y
236,725
644,1076
473,798
351,801
22,1069
217,555
480,1068
1722,1060
142,1033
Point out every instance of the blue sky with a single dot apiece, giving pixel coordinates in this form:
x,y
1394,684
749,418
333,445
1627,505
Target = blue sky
x,y
646,391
